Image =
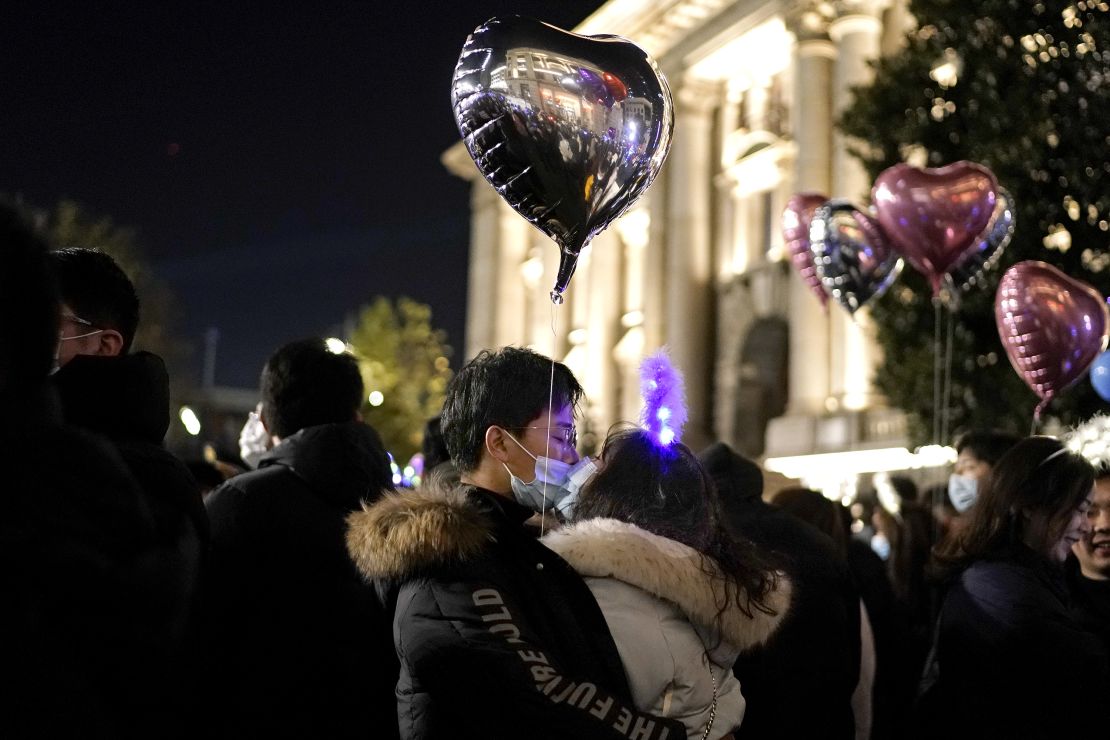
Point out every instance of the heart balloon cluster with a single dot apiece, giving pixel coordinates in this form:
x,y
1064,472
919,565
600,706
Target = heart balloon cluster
x,y
951,224
570,129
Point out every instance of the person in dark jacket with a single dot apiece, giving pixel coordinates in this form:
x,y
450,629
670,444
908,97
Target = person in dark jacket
x,y
123,395
497,636
1009,659
78,615
291,629
813,661
106,388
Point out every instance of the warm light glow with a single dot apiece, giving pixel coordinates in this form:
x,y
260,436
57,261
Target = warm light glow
x,y
532,271
578,336
855,462
759,54
376,398
335,345
945,74
632,318
189,419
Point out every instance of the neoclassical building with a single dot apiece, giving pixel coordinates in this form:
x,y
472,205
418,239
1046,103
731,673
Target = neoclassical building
x,y
698,264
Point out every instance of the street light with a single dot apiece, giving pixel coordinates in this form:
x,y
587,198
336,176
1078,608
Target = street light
x,y
189,419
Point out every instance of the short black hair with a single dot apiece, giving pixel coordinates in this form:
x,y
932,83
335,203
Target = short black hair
x,y
507,388
305,384
988,446
95,288
28,294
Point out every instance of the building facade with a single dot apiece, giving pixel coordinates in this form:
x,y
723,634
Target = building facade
x,y
698,264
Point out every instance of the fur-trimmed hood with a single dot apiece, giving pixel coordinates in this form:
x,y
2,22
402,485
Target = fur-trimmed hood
x,y
402,534
608,548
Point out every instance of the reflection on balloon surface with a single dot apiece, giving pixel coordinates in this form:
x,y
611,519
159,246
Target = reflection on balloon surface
x,y
851,254
569,129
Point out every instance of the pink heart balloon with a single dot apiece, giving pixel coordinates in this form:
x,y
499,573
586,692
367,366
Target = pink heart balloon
x,y
1052,326
935,216
795,233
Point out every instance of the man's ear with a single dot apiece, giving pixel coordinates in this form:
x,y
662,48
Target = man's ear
x,y
496,444
110,343
274,439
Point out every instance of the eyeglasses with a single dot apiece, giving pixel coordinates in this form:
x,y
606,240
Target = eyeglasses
x,y
569,435
76,319
82,322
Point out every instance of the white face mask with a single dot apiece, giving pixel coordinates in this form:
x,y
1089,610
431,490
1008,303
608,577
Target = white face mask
x,y
963,491
555,486
254,440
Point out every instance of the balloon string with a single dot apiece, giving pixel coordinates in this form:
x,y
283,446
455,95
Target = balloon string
x,y
550,414
938,369
1037,413
946,407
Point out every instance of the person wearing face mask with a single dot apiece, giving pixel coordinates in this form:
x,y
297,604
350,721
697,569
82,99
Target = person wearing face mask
x,y
976,453
496,635
1009,658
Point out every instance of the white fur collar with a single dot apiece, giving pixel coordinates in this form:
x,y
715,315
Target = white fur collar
x,y
608,548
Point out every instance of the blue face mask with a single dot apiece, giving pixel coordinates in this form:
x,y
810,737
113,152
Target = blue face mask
x,y
881,545
963,490
555,486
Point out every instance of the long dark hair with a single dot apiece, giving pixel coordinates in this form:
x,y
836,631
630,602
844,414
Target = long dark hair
x,y
1038,475
666,491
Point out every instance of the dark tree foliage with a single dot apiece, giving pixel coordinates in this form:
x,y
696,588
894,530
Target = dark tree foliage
x,y
1031,101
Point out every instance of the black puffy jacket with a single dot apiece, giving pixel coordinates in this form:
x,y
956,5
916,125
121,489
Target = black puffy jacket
x,y
297,643
497,636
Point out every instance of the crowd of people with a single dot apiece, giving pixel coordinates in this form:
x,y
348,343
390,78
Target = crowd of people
x,y
522,590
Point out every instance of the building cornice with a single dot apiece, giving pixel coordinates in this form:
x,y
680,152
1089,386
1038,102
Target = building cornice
x,y
458,162
656,26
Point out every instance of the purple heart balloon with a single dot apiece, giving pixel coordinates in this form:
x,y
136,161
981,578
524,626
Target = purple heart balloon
x,y
795,234
1052,326
851,254
935,216
569,129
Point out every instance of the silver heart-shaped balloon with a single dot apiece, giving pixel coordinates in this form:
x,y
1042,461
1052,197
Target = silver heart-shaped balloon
x,y
569,129
851,254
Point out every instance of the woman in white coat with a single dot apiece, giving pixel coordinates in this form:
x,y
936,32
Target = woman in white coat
x,y
681,597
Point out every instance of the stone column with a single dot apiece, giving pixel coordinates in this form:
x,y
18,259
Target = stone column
x,y
483,269
655,259
812,117
508,303
857,32
601,382
688,280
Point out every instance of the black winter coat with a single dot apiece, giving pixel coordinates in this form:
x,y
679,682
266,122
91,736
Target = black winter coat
x,y
1012,662
126,399
83,626
800,683
497,636
297,643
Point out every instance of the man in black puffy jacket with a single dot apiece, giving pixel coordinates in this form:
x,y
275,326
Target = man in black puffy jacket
x,y
298,643
497,636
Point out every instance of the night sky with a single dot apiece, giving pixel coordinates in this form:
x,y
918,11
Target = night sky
x,y
279,160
